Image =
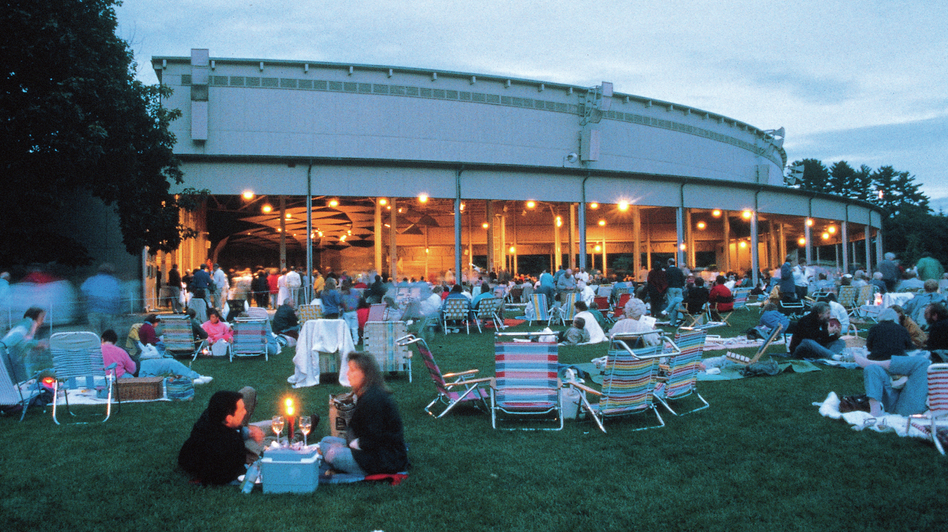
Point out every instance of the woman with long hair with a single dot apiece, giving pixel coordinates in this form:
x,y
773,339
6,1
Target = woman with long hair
x,y
375,440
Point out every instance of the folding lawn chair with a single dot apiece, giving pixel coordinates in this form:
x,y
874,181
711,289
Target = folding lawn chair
x,y
381,339
16,394
740,303
746,361
681,372
567,310
628,385
457,310
514,295
250,339
696,320
486,311
309,312
847,298
77,363
258,313
624,298
377,312
527,381
937,402
540,309
463,388
178,337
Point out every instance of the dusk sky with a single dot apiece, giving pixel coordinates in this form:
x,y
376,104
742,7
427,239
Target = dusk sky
x,y
861,81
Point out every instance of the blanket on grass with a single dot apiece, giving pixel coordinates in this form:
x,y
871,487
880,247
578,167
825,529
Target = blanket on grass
x,y
728,372
863,420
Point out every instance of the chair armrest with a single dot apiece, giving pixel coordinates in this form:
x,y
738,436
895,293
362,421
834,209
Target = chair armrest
x,y
472,381
584,388
460,373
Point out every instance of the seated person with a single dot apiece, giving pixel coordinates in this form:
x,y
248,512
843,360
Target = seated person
x,y
392,311
815,336
919,337
887,338
147,334
217,330
17,346
720,298
200,307
631,314
695,298
915,307
285,320
457,292
937,317
576,334
600,319
196,329
216,452
591,326
375,440
837,312
154,367
887,358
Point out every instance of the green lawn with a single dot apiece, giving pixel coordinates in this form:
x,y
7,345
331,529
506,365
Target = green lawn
x,y
761,458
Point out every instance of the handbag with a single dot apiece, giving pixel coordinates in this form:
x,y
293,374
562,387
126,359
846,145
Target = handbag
x,y
179,388
854,403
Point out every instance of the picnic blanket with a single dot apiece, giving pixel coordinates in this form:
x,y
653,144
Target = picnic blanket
x,y
328,477
89,397
728,372
864,421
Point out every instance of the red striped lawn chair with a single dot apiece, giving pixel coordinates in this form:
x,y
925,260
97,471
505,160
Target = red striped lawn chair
x,y
250,338
453,388
937,401
527,381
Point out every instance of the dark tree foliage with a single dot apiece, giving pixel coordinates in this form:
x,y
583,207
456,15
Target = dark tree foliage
x,y
73,119
908,227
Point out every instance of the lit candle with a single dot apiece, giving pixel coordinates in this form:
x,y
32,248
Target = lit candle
x,y
290,417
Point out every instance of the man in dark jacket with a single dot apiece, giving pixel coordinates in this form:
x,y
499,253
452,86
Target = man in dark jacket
x,y
215,452
815,337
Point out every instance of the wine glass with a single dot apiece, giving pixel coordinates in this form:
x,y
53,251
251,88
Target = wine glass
x,y
306,425
277,426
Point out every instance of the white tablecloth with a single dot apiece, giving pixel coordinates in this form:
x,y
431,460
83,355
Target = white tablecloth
x,y
327,336
896,298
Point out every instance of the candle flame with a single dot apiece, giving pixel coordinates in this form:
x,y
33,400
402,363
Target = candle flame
x,y
289,406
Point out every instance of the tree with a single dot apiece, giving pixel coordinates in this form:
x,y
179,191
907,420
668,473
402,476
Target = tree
x,y
841,178
815,175
73,119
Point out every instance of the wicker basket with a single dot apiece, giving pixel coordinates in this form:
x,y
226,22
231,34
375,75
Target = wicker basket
x,y
140,389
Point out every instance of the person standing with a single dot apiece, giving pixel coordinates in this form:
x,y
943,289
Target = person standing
x,y
174,288
890,271
657,284
103,295
293,284
674,293
221,286
200,282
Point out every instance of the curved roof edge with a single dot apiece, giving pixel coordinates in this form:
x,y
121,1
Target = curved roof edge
x,y
159,61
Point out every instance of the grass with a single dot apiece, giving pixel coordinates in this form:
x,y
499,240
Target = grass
x,y
761,458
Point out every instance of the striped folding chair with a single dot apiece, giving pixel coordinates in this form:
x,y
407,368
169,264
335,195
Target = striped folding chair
x,y
250,339
540,308
381,339
453,388
12,392
77,363
740,303
178,336
681,372
937,402
628,385
527,382
747,361
567,310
